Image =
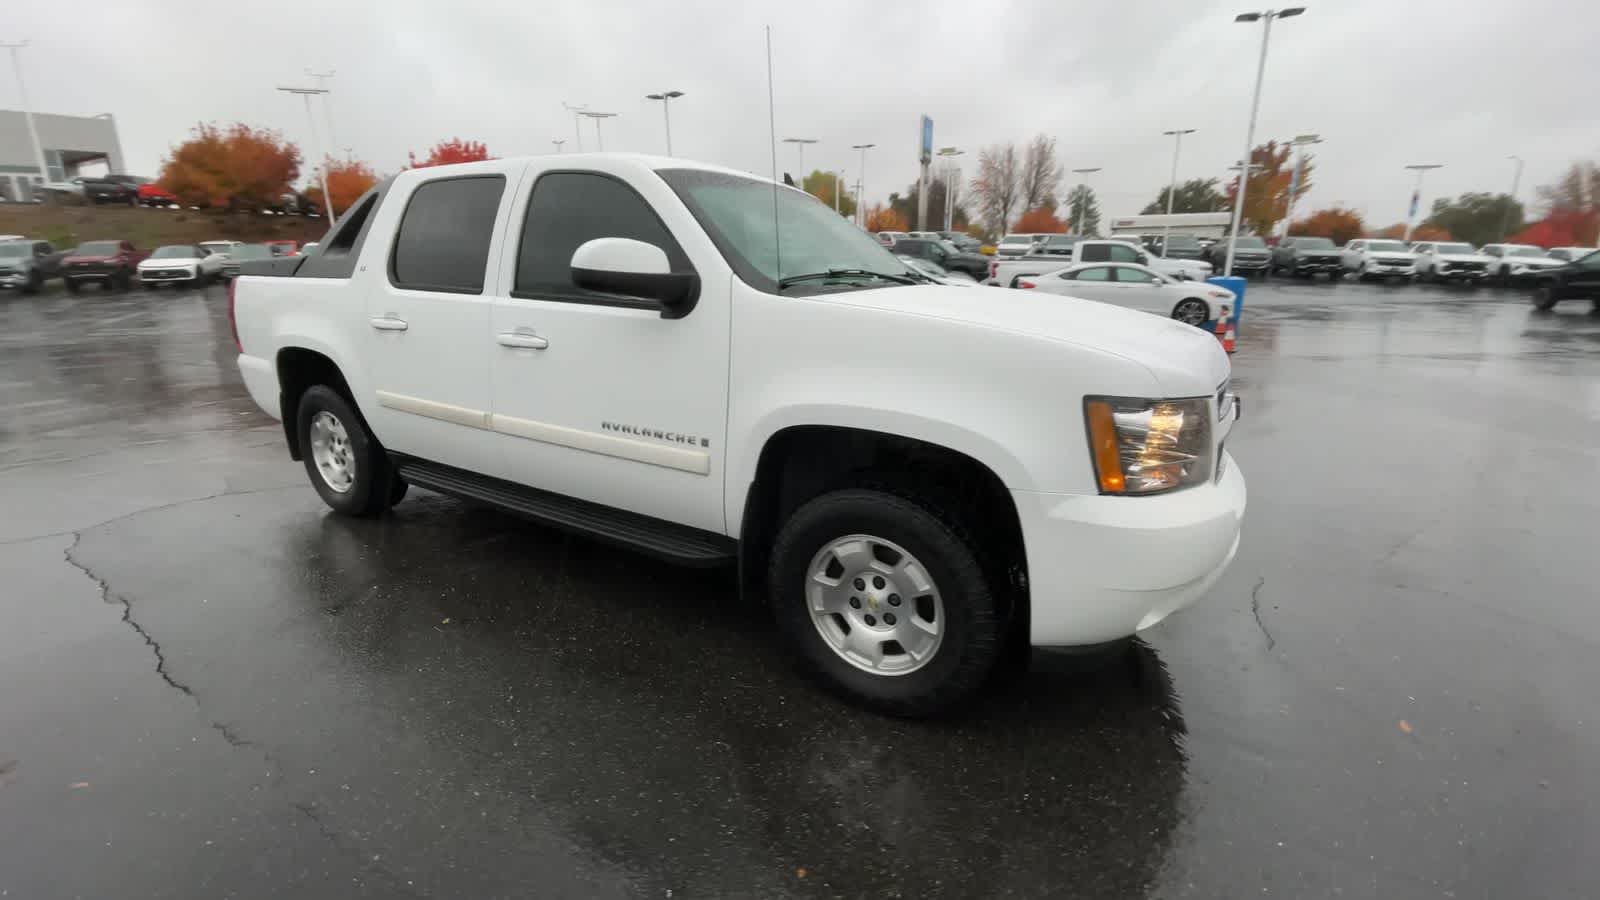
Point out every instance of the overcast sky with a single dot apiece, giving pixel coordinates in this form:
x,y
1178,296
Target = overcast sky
x,y
1457,82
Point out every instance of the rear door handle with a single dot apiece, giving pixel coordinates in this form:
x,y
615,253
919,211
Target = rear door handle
x,y
389,323
525,340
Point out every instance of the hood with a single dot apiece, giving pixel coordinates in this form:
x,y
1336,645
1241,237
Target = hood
x,y
1184,360
1464,258
169,261
1535,262
1249,251
1394,255
75,258
1320,254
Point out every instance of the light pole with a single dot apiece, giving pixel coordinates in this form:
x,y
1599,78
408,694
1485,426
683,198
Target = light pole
x,y
800,144
1416,193
599,142
838,179
327,101
1265,17
577,118
27,114
1083,204
949,153
558,142
322,170
666,98
861,184
1300,140
1172,183
1505,217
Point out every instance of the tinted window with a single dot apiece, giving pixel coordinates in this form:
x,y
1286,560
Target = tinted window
x,y
1094,273
351,226
1094,253
1134,276
1592,261
1123,253
569,209
443,244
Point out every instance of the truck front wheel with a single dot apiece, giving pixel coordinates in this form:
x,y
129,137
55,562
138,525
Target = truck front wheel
x,y
885,600
347,465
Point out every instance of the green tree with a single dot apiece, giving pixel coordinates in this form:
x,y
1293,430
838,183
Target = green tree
x,y
1477,218
906,205
1083,211
820,185
1192,196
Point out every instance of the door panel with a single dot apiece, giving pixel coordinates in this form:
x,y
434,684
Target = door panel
x,y
619,405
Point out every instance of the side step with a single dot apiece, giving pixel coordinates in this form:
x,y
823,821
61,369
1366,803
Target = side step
x,y
665,540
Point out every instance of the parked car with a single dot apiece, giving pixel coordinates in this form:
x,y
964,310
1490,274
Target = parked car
x,y
1517,263
108,262
1138,287
1450,261
1571,254
183,264
1251,256
222,247
70,188
26,265
283,248
944,255
1577,280
1179,246
146,192
890,238
1304,257
1378,258
1014,245
1067,250
934,271
108,190
244,253
906,473
966,243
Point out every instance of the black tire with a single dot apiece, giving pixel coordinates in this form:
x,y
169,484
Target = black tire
x,y
72,285
1503,279
1544,298
35,282
370,489
974,630
1188,304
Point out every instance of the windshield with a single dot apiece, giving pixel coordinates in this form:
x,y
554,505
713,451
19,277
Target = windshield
x,y
15,248
1524,251
250,251
1250,243
1313,243
1016,239
739,214
97,248
1387,246
1454,248
175,252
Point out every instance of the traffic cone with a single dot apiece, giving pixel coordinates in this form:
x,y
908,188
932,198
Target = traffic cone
x,y
1226,336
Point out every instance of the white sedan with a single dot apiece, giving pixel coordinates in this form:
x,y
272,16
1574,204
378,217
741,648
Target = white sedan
x,y
1137,287
180,264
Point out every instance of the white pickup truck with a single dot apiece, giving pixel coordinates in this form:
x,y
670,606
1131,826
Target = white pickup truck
x,y
1006,272
920,480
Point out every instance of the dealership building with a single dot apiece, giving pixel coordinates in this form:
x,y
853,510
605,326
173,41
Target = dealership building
x,y
69,143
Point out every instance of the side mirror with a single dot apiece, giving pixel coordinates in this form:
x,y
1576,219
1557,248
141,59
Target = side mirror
x,y
635,269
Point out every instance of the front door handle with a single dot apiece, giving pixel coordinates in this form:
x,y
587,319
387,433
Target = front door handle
x,y
389,323
524,340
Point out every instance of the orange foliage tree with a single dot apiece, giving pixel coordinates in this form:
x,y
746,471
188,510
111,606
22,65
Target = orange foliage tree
x,y
883,218
1424,232
448,152
1041,219
238,166
347,181
1338,224
1562,228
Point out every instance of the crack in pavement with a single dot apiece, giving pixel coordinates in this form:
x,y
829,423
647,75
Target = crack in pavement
x,y
1255,609
77,533
372,863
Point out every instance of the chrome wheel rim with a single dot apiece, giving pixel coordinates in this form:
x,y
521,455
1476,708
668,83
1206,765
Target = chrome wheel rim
x,y
330,450
1190,312
875,605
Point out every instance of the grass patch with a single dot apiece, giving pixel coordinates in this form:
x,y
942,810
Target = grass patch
x,y
69,226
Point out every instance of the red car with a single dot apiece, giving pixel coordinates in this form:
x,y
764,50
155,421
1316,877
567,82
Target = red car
x,y
108,262
155,195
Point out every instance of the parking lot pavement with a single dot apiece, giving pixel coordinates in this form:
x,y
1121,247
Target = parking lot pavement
x,y
213,688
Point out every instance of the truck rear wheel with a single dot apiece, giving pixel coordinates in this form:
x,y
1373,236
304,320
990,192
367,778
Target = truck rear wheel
x,y
1544,299
885,600
346,464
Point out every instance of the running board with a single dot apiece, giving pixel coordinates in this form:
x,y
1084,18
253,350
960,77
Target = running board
x,y
656,537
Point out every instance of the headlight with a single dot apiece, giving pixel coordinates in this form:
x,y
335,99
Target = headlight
x,y
1148,446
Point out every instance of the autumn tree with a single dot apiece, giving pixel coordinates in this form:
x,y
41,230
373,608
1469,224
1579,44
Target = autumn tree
x,y
1083,211
1192,196
884,218
1478,218
347,181
1562,228
1577,189
996,186
1040,174
822,186
1337,224
238,166
1423,232
1266,199
1041,220
448,152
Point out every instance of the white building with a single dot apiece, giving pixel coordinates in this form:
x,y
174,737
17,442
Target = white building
x,y
69,142
1206,224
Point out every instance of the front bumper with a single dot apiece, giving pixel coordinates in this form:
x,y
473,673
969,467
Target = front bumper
x,y
1251,264
164,276
93,271
13,279
1454,274
1317,265
1530,274
1101,568
1386,270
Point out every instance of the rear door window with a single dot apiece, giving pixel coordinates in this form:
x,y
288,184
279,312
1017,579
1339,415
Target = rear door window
x,y
443,242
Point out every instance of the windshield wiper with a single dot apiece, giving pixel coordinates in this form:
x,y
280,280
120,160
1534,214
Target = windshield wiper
x,y
790,280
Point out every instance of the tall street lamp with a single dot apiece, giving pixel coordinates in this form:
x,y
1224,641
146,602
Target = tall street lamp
x,y
577,119
1300,140
1083,205
1265,17
327,101
558,142
599,141
27,115
861,184
1172,183
1505,217
800,144
1416,193
327,196
950,173
666,98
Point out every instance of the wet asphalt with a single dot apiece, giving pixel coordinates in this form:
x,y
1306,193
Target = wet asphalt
x,y
210,687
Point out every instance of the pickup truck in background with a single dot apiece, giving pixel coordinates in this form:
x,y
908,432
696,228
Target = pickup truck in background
x,y
1063,251
1251,256
616,345
1577,280
1304,257
112,263
944,255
